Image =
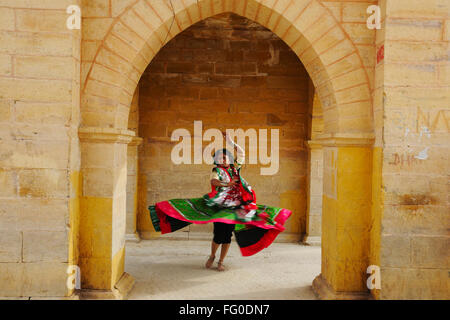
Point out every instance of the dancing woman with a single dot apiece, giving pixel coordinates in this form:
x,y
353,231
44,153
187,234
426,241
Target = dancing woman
x,y
227,194
231,206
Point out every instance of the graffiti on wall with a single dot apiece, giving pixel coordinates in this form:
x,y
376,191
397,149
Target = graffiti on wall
x,y
426,123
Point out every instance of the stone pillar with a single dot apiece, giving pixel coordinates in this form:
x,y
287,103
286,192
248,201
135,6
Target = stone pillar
x,y
346,213
132,192
103,208
314,196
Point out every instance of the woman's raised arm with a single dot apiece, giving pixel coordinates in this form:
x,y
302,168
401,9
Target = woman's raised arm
x,y
240,152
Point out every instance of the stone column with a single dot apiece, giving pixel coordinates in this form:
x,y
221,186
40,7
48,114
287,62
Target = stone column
x,y
103,209
314,196
132,190
346,213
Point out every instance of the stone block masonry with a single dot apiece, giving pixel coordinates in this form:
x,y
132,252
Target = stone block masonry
x,y
383,129
39,160
228,72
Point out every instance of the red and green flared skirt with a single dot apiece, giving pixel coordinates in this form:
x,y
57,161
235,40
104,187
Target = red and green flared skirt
x,y
252,233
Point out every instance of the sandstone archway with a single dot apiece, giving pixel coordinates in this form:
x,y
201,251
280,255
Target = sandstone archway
x,y
135,37
341,81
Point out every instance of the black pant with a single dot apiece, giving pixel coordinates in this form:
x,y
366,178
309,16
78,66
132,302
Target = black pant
x,y
222,232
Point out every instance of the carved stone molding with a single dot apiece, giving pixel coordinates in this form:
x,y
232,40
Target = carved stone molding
x,y
105,135
345,140
313,144
135,141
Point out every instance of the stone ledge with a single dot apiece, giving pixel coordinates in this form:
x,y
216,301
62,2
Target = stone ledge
x,y
105,135
324,292
132,237
74,296
120,291
313,144
345,140
312,241
135,141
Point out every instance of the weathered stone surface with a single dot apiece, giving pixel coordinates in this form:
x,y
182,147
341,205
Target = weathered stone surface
x,y
416,220
430,252
8,185
43,183
232,71
395,251
414,283
414,223
10,246
44,279
11,279
33,154
43,246
43,215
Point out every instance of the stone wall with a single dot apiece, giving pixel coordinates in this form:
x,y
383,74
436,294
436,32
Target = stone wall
x,y
415,96
39,153
386,205
228,72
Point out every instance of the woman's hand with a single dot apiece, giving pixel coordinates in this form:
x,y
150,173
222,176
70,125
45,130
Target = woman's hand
x,y
218,183
227,137
233,182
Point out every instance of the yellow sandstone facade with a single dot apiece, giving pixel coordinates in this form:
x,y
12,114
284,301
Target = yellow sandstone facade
x,y
85,133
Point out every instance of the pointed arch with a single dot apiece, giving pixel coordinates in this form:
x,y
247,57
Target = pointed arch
x,y
306,26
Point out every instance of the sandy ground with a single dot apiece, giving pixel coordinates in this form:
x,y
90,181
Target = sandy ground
x,y
173,269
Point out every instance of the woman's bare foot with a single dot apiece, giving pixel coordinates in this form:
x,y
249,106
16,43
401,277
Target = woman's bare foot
x,y
220,266
209,262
